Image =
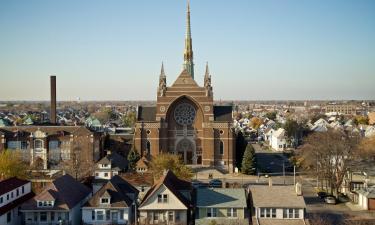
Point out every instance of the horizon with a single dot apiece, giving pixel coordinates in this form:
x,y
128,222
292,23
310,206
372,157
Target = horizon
x,y
257,51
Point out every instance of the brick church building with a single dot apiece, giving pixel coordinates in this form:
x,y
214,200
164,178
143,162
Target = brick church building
x,y
185,120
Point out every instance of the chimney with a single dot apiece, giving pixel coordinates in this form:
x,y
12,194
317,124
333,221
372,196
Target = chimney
x,y
53,100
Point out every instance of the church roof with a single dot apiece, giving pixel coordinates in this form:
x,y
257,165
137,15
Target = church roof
x,y
146,113
185,80
223,113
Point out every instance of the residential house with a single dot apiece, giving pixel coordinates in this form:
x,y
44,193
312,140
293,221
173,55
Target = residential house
x,y
168,201
13,192
366,198
223,205
142,181
110,165
60,202
114,203
277,205
278,140
142,165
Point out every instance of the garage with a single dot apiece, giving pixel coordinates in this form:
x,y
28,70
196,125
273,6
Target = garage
x,y
371,204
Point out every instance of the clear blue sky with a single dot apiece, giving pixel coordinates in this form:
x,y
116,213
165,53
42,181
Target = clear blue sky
x,y
256,49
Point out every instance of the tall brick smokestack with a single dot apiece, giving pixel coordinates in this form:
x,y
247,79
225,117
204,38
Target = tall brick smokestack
x,y
53,100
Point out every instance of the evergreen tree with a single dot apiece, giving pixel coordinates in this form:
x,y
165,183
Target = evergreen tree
x,y
133,157
248,160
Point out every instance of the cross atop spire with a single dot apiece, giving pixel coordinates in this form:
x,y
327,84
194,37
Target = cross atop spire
x,y
188,51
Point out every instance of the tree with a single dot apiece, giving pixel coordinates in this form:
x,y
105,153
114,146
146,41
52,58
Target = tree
x,y
367,147
271,115
294,131
328,155
361,120
11,165
129,119
248,161
316,117
133,157
172,162
255,123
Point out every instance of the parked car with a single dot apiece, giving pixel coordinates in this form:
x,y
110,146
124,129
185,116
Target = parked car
x,y
343,198
330,200
216,183
321,194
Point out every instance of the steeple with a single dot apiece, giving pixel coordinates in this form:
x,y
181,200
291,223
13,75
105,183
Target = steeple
x,y
207,81
162,81
188,52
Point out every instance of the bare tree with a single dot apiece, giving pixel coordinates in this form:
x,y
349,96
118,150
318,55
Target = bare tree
x,y
328,155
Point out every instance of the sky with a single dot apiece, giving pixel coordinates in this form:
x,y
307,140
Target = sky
x,y
256,49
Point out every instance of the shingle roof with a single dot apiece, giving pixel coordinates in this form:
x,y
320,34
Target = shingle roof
x,y
221,197
146,113
276,196
175,185
66,191
11,184
137,179
117,189
115,160
223,113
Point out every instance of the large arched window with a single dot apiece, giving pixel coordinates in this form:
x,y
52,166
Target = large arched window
x,y
221,151
148,147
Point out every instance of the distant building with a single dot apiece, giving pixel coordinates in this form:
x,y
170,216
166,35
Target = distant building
x,y
13,192
60,201
110,165
366,198
278,140
49,146
345,109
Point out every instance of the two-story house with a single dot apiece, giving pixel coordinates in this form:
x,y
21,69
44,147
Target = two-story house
x,y
224,205
168,201
114,203
13,192
110,165
59,203
281,205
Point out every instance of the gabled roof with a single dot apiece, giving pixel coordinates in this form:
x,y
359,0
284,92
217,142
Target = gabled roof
x,y
117,189
137,179
11,184
115,160
184,80
175,185
66,191
279,133
146,113
223,113
221,197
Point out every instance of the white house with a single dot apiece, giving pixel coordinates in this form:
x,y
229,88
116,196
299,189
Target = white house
x,y
366,198
110,165
281,205
114,203
60,201
13,192
278,140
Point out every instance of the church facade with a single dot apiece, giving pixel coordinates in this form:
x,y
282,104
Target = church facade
x,y
185,120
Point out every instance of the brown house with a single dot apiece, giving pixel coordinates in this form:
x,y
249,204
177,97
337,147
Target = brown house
x,y
185,120
47,147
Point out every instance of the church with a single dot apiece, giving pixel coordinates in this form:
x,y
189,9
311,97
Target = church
x,y
185,120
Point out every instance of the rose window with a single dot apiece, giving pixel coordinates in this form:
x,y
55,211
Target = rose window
x,y
184,114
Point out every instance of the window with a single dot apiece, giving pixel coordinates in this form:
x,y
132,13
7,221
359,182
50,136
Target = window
x,y
52,216
17,192
38,144
35,216
23,189
13,144
93,215
99,215
211,212
290,213
148,147
7,196
53,145
9,217
105,174
59,216
107,215
162,198
11,194
170,216
122,214
221,148
232,212
268,212
1,200
43,216
23,145
156,216
296,213
104,200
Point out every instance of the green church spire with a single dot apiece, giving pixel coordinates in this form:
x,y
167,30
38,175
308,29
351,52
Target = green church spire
x,y
188,52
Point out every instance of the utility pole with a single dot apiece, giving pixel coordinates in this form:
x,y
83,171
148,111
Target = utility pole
x,y
294,174
284,171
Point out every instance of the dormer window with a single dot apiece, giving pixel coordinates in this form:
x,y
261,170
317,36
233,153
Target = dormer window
x,y
162,198
104,200
45,204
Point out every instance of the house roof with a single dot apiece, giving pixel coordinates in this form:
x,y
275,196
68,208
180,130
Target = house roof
x,y
66,191
142,163
146,113
279,133
13,204
223,113
175,185
276,196
11,184
368,192
117,189
115,160
221,197
137,179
